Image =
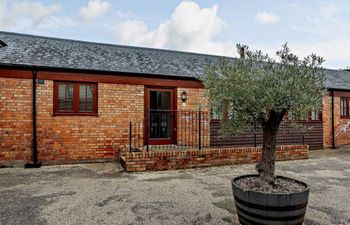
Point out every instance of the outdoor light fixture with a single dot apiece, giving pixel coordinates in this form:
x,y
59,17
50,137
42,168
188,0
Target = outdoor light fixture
x,y
184,96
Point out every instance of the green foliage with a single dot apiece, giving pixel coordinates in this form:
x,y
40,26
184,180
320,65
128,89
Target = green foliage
x,y
245,91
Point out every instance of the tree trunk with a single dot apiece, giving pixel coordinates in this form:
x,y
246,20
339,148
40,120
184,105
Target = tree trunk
x,y
266,164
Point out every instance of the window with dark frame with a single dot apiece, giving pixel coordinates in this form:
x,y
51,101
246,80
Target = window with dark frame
x,y
289,116
344,107
65,97
314,115
75,98
86,97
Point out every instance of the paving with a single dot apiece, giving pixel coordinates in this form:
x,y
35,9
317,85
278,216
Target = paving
x,y
104,194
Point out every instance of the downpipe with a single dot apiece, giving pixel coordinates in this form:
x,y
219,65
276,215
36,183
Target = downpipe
x,y
333,135
35,163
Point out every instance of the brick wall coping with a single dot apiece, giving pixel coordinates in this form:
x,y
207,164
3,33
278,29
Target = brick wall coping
x,y
163,160
196,152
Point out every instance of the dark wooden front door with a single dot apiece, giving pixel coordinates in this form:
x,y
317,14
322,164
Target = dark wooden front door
x,y
159,116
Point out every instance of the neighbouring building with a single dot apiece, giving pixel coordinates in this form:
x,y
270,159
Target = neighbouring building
x,y
75,101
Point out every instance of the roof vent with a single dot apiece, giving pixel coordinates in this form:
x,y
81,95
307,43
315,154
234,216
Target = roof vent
x,y
2,44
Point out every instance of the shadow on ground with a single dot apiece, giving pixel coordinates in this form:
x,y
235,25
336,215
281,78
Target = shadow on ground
x,y
104,194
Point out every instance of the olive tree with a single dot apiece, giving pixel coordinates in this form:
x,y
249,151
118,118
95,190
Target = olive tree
x,y
260,89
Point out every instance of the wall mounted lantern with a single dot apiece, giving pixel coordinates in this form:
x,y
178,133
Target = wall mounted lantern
x,y
184,96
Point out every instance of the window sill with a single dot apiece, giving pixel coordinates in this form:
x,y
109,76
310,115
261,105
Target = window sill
x,y
74,114
344,117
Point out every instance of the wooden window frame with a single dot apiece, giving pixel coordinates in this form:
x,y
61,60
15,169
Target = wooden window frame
x,y
75,112
347,116
316,120
307,119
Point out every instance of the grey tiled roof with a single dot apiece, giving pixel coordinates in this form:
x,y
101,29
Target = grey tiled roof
x,y
62,53
32,50
337,79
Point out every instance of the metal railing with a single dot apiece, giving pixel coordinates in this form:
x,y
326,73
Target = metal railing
x,y
172,129
252,136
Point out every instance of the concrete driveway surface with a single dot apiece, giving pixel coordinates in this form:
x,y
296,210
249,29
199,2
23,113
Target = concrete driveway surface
x,y
103,194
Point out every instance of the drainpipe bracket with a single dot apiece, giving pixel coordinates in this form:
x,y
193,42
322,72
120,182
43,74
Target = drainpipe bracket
x,y
32,165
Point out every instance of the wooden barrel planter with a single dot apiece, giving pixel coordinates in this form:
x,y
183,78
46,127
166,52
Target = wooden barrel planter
x,y
257,208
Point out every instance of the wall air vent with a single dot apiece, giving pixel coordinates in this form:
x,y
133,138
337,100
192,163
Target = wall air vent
x,y
2,44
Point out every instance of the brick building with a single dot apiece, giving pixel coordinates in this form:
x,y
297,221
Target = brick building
x,y
72,101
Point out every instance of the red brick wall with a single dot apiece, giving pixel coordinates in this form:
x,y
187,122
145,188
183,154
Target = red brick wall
x,y
73,138
65,138
88,138
341,126
327,121
142,161
188,128
15,120
196,99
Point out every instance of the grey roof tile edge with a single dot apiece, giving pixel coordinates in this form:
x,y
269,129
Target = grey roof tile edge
x,y
53,52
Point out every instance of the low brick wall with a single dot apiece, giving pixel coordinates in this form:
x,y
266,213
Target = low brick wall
x,y
168,160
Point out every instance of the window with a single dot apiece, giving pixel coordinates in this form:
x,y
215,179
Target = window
x,y
315,115
214,114
86,98
65,97
344,107
72,98
227,114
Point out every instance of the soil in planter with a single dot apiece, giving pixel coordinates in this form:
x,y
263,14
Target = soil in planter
x,y
282,185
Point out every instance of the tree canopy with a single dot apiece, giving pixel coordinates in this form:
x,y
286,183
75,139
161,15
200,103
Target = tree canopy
x,y
246,90
261,90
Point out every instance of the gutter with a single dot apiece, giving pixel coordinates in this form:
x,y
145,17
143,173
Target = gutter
x,y
338,89
95,72
35,163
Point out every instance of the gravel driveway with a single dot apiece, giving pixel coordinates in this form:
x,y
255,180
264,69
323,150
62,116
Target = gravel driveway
x,y
103,194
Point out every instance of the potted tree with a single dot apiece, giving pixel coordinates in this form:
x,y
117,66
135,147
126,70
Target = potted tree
x,y
258,89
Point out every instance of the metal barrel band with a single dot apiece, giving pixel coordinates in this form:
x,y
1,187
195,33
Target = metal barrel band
x,y
273,208
258,216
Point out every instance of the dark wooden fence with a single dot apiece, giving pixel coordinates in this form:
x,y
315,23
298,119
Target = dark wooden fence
x,y
287,135
194,129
